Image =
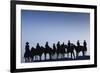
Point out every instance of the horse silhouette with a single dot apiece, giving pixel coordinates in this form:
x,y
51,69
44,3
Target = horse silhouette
x,y
47,50
60,50
54,50
33,51
37,52
79,48
70,50
85,47
41,51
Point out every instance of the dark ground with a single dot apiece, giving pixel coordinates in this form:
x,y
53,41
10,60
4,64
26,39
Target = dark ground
x,y
65,59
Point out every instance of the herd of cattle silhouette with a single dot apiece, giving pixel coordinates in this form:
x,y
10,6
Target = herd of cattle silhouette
x,y
70,49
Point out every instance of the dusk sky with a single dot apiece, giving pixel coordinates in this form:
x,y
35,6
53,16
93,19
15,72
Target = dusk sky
x,y
52,26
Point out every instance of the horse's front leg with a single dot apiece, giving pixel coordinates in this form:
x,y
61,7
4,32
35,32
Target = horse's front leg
x,y
71,55
67,55
40,57
74,55
63,56
83,53
36,57
25,59
45,56
50,55
33,59
57,55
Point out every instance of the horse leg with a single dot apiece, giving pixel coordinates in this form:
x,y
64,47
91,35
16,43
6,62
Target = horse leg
x,y
53,56
83,53
28,59
63,55
45,56
40,57
32,58
36,57
50,56
67,55
57,55
60,55
74,55
25,59
71,55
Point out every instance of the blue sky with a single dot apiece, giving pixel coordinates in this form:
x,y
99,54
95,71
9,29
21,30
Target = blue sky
x,y
52,26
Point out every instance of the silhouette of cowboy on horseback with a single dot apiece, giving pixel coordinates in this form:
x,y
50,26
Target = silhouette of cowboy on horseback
x,y
84,43
27,54
85,47
48,50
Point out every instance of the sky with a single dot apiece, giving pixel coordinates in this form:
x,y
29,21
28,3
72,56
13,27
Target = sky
x,y
41,26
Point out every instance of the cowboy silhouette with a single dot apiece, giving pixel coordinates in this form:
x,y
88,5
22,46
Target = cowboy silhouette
x,y
78,43
68,42
46,45
70,50
27,53
84,47
58,49
84,43
58,45
27,46
48,50
37,46
38,50
54,48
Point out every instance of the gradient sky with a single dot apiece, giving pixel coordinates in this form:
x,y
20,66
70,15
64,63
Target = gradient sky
x,y
52,26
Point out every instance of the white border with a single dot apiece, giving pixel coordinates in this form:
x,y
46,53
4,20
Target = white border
x,y
20,65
